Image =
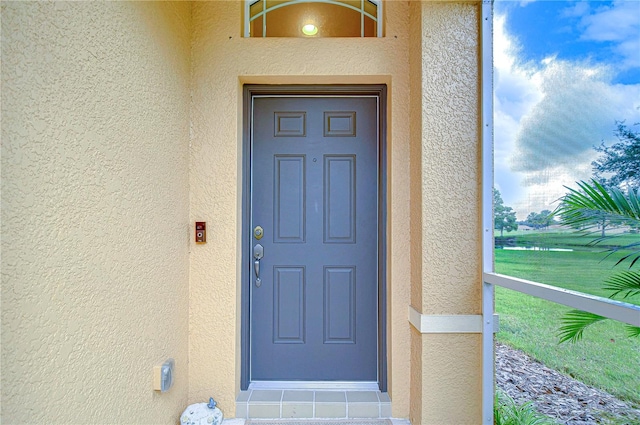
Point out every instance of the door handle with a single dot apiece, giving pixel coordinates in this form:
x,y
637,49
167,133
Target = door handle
x,y
258,253
256,267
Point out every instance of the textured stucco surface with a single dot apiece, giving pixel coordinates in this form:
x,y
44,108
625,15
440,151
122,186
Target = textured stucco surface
x,y
445,158
416,131
451,159
451,379
95,225
445,208
222,61
122,125
415,407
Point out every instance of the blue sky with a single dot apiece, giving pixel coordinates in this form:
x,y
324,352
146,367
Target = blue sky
x,y
564,72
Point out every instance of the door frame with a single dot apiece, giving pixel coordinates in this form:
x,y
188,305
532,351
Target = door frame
x,y
251,90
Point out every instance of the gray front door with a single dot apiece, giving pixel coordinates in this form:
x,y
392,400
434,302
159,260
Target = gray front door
x,y
314,309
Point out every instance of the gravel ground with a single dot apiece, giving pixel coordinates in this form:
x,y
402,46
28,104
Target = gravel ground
x,y
559,396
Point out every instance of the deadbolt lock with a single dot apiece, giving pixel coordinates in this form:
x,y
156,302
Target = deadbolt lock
x,y
258,232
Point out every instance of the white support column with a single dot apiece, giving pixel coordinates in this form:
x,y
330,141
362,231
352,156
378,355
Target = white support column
x,y
488,360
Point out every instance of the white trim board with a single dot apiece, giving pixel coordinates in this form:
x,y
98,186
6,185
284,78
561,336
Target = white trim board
x,y
315,385
447,323
606,307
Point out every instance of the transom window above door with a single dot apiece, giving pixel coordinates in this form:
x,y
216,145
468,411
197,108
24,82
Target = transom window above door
x,y
313,18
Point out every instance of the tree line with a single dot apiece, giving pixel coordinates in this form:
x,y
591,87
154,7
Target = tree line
x,y
617,167
504,217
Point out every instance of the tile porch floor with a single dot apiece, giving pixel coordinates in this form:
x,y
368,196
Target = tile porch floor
x,y
275,404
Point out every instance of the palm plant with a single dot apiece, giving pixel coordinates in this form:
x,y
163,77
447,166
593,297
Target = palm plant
x,y
585,209
507,412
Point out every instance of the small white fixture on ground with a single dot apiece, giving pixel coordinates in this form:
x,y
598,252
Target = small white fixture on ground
x,y
202,414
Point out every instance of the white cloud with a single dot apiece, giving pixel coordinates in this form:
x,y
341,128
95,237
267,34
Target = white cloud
x,y
578,9
516,90
577,110
547,118
544,188
618,23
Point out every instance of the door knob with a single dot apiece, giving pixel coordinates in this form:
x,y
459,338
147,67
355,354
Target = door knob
x,y
258,253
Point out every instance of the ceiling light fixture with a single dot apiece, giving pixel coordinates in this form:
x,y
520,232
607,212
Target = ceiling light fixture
x,y
309,29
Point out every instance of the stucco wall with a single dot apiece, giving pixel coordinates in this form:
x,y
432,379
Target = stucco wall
x,y
445,208
451,380
122,125
222,62
95,225
445,157
451,159
416,130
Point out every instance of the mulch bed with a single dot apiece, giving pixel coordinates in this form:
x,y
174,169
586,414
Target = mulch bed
x,y
558,396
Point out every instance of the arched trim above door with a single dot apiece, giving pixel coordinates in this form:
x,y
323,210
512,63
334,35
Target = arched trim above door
x,y
319,18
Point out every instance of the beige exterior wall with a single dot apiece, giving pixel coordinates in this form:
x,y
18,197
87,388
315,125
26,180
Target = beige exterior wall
x,y
451,159
416,131
122,126
95,224
445,209
222,62
443,129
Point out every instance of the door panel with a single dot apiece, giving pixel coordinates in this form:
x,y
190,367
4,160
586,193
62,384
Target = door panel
x,y
339,305
288,203
339,198
288,302
315,194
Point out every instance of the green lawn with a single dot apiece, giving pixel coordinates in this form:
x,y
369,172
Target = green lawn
x,y
605,358
568,239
